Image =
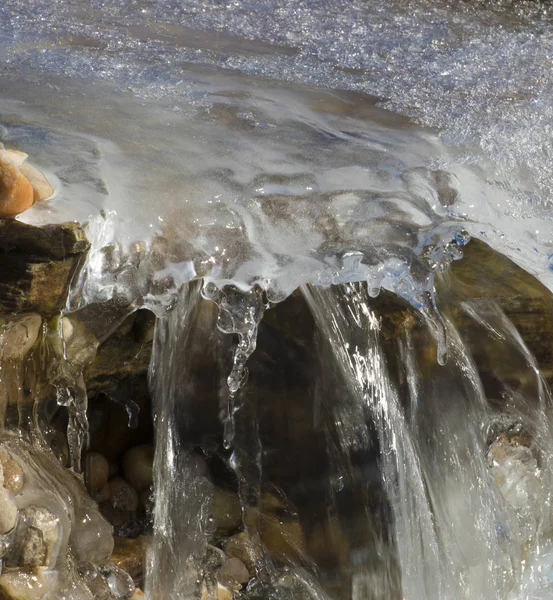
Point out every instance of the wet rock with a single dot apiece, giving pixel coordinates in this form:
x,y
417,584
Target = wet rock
x,y
223,593
137,466
96,468
123,495
128,555
16,193
13,473
8,511
41,186
26,585
233,572
138,595
95,581
37,536
37,265
240,546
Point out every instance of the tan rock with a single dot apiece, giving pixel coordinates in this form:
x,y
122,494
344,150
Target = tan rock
x,y
123,495
137,466
16,193
13,473
233,572
18,335
240,546
26,585
8,511
128,555
37,537
96,469
223,593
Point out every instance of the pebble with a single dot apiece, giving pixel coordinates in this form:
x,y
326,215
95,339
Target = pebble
x,y
16,193
138,466
123,495
240,546
37,537
223,593
232,572
226,510
96,468
13,473
8,511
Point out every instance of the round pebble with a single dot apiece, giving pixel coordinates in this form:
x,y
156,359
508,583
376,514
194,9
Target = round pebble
x,y
123,495
16,193
96,469
8,511
138,466
233,571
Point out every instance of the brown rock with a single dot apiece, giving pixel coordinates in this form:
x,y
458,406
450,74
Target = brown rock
x,y
240,546
13,473
123,495
137,466
233,572
16,193
128,555
96,468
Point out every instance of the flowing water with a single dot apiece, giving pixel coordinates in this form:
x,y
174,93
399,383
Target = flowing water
x,y
232,161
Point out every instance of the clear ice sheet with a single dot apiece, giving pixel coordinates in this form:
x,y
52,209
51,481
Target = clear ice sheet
x,y
157,114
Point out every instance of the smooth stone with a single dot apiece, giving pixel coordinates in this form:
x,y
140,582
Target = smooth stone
x,y
95,581
37,537
26,585
138,595
96,468
240,546
138,466
13,474
223,593
123,495
232,572
16,193
8,511
119,582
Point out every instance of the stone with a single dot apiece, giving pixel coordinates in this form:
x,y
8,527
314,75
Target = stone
x,y
128,555
13,473
37,265
119,582
223,593
96,472
138,595
8,511
16,193
240,546
123,495
41,186
37,536
26,585
138,466
233,572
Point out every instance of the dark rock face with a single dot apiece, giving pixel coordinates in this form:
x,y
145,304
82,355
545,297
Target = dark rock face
x,y
37,265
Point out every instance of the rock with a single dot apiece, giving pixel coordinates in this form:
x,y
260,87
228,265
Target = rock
x,y
37,265
95,581
8,511
123,495
223,593
137,466
96,469
26,585
240,546
16,193
138,595
13,473
233,572
37,536
128,555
